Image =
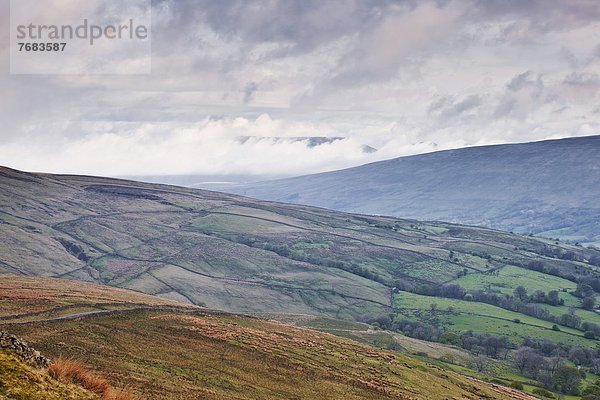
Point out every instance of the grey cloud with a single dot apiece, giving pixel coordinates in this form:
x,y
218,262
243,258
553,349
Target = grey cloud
x,y
447,107
546,14
526,79
248,91
560,110
300,25
523,94
582,79
505,107
580,87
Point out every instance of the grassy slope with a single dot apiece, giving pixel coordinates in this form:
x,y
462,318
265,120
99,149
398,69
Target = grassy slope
x,y
19,381
506,279
25,299
184,353
449,357
364,333
176,355
234,253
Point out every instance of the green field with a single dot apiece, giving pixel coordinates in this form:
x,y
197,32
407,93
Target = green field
x,y
506,279
461,315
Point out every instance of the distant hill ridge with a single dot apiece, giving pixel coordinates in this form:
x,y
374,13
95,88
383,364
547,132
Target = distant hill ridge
x,y
549,188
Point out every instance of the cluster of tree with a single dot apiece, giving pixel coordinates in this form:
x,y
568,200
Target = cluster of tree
x,y
591,392
494,346
546,362
539,359
581,356
552,297
551,371
561,254
522,302
485,344
580,276
411,328
593,282
450,290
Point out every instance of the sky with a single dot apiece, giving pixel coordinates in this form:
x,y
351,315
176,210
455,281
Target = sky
x,y
236,84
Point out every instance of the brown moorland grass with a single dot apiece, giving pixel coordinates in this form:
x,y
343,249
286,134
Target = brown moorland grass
x,y
35,298
72,371
19,380
177,355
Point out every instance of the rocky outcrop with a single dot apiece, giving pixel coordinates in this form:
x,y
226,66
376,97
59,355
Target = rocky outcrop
x,y
23,350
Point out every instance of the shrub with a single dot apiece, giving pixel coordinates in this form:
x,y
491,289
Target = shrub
x,y
450,338
73,371
448,358
543,393
516,385
590,397
591,390
589,335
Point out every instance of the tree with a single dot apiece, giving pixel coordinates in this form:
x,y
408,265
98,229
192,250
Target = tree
x,y
553,298
591,390
588,302
580,355
494,344
452,290
528,361
571,320
538,297
553,364
567,380
480,363
450,338
589,335
591,327
536,266
520,293
516,385
583,290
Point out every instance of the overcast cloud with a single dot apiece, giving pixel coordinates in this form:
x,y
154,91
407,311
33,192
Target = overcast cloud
x,y
403,77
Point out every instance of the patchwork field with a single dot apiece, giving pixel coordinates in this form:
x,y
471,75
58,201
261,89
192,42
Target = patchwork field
x,y
461,315
242,255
